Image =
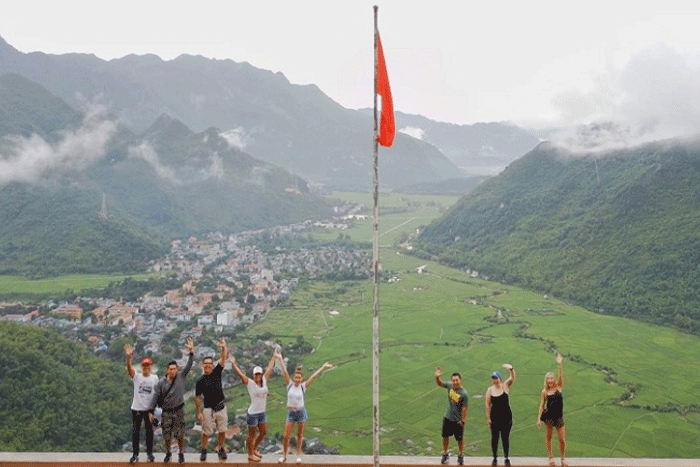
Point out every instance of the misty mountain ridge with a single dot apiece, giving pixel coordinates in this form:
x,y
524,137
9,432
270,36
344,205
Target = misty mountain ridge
x,y
82,193
477,149
615,231
292,126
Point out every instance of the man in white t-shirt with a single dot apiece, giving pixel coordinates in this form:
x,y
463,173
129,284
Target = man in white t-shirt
x,y
143,403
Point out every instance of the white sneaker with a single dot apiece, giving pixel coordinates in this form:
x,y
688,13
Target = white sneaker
x,y
298,460
282,459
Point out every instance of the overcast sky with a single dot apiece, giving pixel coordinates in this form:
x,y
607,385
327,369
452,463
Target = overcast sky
x,y
461,61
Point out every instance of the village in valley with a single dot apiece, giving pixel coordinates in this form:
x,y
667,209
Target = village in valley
x,y
226,283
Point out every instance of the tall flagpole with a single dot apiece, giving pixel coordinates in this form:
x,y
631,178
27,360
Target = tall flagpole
x,y
375,267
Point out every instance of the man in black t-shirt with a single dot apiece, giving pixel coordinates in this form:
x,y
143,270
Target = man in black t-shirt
x,y
213,414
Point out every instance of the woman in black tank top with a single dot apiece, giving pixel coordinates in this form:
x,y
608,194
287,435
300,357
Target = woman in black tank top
x,y
552,412
498,414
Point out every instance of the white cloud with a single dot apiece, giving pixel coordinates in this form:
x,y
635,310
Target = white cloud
x,y
656,95
29,159
236,138
146,152
180,176
417,133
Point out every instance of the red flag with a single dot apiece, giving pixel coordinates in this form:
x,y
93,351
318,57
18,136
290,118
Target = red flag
x,y
387,126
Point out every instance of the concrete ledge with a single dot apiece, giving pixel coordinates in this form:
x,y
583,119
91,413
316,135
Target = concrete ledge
x,y
87,459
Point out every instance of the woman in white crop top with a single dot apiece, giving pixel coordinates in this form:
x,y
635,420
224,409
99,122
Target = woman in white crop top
x,y
256,417
296,411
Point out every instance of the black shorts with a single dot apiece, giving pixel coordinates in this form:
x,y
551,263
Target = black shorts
x,y
452,428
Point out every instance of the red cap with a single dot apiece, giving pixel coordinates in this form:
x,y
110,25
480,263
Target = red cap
x,y
146,362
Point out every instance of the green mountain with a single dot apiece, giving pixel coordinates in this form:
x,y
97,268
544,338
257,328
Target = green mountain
x,y
80,193
616,232
295,127
57,396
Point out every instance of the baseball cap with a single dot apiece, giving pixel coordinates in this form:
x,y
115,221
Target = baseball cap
x,y
146,362
257,370
496,374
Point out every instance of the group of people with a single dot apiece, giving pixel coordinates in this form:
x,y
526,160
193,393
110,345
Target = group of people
x,y
499,416
168,393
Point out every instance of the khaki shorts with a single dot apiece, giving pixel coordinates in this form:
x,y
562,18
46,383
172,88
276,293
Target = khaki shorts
x,y
211,419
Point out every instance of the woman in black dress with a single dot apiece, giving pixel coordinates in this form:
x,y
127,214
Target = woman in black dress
x,y
498,413
552,412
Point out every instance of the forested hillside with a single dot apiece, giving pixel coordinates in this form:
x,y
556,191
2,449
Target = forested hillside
x,y
57,396
618,233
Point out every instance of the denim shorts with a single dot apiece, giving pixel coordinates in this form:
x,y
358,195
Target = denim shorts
x,y
255,419
297,416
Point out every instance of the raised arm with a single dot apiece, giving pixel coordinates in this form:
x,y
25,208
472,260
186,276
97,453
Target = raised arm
x,y
244,378
438,374
190,348
560,382
224,351
129,353
510,380
285,373
268,370
316,373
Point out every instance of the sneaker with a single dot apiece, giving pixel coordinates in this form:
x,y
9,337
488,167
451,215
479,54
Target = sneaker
x,y
181,458
507,462
460,459
444,459
282,460
222,454
151,457
168,456
495,461
298,460
134,459
203,455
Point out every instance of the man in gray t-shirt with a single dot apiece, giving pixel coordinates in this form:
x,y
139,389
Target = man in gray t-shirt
x,y
170,396
455,414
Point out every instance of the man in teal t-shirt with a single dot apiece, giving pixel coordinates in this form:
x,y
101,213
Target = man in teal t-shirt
x,y
455,415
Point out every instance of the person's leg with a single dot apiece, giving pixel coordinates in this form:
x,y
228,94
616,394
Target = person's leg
x,y
285,441
180,428
250,441
168,427
445,445
221,424
494,440
505,438
548,442
300,437
262,431
149,434
561,434
135,431
222,440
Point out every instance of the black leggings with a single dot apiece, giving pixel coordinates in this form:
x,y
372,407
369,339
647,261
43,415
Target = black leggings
x,y
136,417
504,430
